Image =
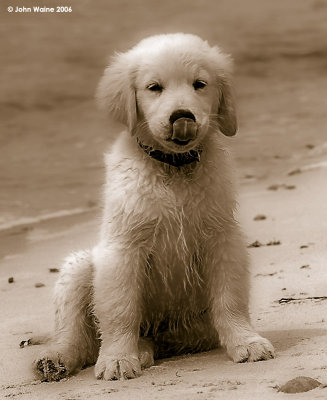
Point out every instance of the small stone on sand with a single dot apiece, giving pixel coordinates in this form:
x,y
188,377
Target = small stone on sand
x,y
273,243
273,187
259,217
299,385
54,270
255,244
295,172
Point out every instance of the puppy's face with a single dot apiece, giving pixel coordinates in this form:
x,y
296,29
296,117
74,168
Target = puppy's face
x,y
176,100
170,91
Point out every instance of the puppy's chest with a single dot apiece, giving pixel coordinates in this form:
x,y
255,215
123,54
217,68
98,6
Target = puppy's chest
x,y
175,273
180,200
176,259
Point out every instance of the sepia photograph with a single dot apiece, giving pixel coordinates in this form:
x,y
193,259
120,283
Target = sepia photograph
x,y
163,199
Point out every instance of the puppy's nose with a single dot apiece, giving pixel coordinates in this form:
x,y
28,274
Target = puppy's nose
x,y
181,114
184,126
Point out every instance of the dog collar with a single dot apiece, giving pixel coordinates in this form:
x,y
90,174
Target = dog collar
x,y
174,159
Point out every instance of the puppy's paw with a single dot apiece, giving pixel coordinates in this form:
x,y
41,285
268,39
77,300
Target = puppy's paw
x,y
52,366
146,352
123,366
251,349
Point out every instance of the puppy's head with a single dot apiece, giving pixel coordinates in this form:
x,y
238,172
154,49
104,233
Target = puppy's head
x,y
171,89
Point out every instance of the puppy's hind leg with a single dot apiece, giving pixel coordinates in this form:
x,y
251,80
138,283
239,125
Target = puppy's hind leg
x,y
75,342
146,352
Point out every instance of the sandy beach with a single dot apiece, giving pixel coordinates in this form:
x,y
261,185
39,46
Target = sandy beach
x,y
51,174
292,218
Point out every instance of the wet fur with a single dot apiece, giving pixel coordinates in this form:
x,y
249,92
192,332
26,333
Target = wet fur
x,y
170,272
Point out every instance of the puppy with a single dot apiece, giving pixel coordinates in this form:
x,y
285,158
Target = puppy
x,y
170,272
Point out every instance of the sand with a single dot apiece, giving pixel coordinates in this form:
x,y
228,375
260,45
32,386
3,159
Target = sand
x,y
294,269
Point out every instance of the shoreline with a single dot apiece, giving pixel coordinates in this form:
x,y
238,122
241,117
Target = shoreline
x,y
28,221
244,183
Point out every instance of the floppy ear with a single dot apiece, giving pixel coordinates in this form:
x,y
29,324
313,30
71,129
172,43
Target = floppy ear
x,y
226,114
116,91
226,111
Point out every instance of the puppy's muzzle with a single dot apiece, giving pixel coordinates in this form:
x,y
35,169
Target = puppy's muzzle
x,y
184,127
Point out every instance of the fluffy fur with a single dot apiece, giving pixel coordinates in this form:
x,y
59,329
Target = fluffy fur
x,y
170,272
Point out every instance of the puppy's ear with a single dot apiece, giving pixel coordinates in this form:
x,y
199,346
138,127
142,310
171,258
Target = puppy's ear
x,y
116,92
226,117
226,114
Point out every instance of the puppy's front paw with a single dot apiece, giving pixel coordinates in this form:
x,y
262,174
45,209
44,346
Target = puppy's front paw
x,y
122,366
251,349
53,366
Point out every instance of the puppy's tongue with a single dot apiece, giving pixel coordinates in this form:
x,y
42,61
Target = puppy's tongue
x,y
184,129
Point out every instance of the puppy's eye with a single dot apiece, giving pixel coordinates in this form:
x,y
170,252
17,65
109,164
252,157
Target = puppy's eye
x,y
199,84
155,87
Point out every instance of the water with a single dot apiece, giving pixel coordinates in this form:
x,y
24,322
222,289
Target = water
x,y
52,137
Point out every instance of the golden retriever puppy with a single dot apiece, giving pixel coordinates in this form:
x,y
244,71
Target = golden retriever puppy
x,y
170,272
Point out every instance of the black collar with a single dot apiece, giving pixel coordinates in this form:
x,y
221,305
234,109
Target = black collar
x,y
174,159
